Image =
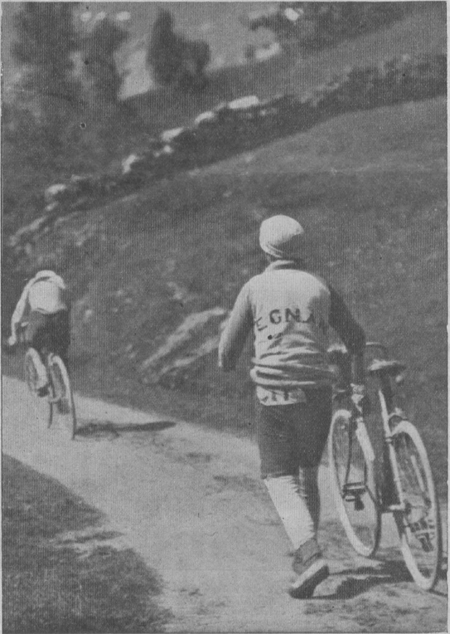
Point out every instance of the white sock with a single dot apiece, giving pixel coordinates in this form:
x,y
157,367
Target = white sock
x,y
292,508
309,490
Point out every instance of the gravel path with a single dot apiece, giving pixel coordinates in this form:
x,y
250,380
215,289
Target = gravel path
x,y
190,502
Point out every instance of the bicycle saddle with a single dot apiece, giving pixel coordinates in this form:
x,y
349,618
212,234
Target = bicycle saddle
x,y
382,366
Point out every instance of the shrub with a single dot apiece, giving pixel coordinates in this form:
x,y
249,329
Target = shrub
x,y
100,69
46,41
174,59
313,25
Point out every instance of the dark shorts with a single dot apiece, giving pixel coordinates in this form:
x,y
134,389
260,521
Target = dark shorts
x,y
50,332
293,436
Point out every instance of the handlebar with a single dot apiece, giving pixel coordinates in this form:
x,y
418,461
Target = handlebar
x,y
20,338
339,356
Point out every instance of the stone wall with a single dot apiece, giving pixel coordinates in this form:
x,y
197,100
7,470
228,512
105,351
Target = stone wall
x,y
240,125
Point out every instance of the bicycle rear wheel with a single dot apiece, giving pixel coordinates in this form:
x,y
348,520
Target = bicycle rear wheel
x,y
419,525
353,485
31,376
63,395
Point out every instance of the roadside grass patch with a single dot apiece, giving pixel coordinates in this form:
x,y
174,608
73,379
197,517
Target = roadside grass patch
x,y
52,586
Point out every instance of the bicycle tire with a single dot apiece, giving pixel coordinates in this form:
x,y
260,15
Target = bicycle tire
x,y
63,399
51,404
353,485
419,526
31,378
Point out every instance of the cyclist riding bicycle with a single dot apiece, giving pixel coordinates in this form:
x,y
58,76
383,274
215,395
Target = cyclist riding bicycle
x,y
45,305
290,311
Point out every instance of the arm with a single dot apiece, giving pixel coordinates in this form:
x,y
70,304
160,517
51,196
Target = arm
x,y
351,333
235,333
19,311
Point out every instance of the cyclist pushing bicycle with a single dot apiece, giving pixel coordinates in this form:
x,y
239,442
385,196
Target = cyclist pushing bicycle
x,y
44,304
290,311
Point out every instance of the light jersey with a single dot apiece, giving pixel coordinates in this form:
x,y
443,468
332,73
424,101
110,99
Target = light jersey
x,y
46,297
288,310
44,294
290,324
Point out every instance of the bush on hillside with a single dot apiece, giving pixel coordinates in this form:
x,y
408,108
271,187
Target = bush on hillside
x,y
48,130
36,156
103,80
174,59
46,41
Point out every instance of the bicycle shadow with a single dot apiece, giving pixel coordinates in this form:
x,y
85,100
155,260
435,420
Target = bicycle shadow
x,y
362,579
96,429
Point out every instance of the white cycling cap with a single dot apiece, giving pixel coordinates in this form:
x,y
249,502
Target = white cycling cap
x,y
46,273
50,275
282,237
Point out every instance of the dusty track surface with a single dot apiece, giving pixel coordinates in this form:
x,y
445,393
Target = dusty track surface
x,y
190,502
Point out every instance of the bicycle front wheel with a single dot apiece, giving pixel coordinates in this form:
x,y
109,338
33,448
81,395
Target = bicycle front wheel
x,y
62,390
419,524
353,485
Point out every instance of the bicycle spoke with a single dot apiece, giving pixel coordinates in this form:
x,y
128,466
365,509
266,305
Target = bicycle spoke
x,y
419,477
353,481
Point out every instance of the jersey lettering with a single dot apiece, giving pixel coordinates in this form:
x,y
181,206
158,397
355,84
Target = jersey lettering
x,y
277,316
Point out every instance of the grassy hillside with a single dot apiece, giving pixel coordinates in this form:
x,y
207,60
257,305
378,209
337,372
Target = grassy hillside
x,y
370,190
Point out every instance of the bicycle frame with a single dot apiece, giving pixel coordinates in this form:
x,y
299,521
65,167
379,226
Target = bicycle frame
x,y
21,332
389,413
353,490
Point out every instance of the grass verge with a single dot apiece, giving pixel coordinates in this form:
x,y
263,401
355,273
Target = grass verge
x,y
48,586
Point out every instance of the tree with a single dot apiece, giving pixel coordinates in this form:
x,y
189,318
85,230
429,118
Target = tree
x,y
174,59
99,48
46,41
165,51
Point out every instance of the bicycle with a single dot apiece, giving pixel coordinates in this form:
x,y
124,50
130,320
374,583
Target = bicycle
x,y
60,395
407,488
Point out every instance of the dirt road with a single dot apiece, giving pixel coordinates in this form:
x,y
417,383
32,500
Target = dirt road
x,y
190,502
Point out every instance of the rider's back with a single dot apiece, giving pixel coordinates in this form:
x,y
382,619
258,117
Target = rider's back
x,y
47,297
290,310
